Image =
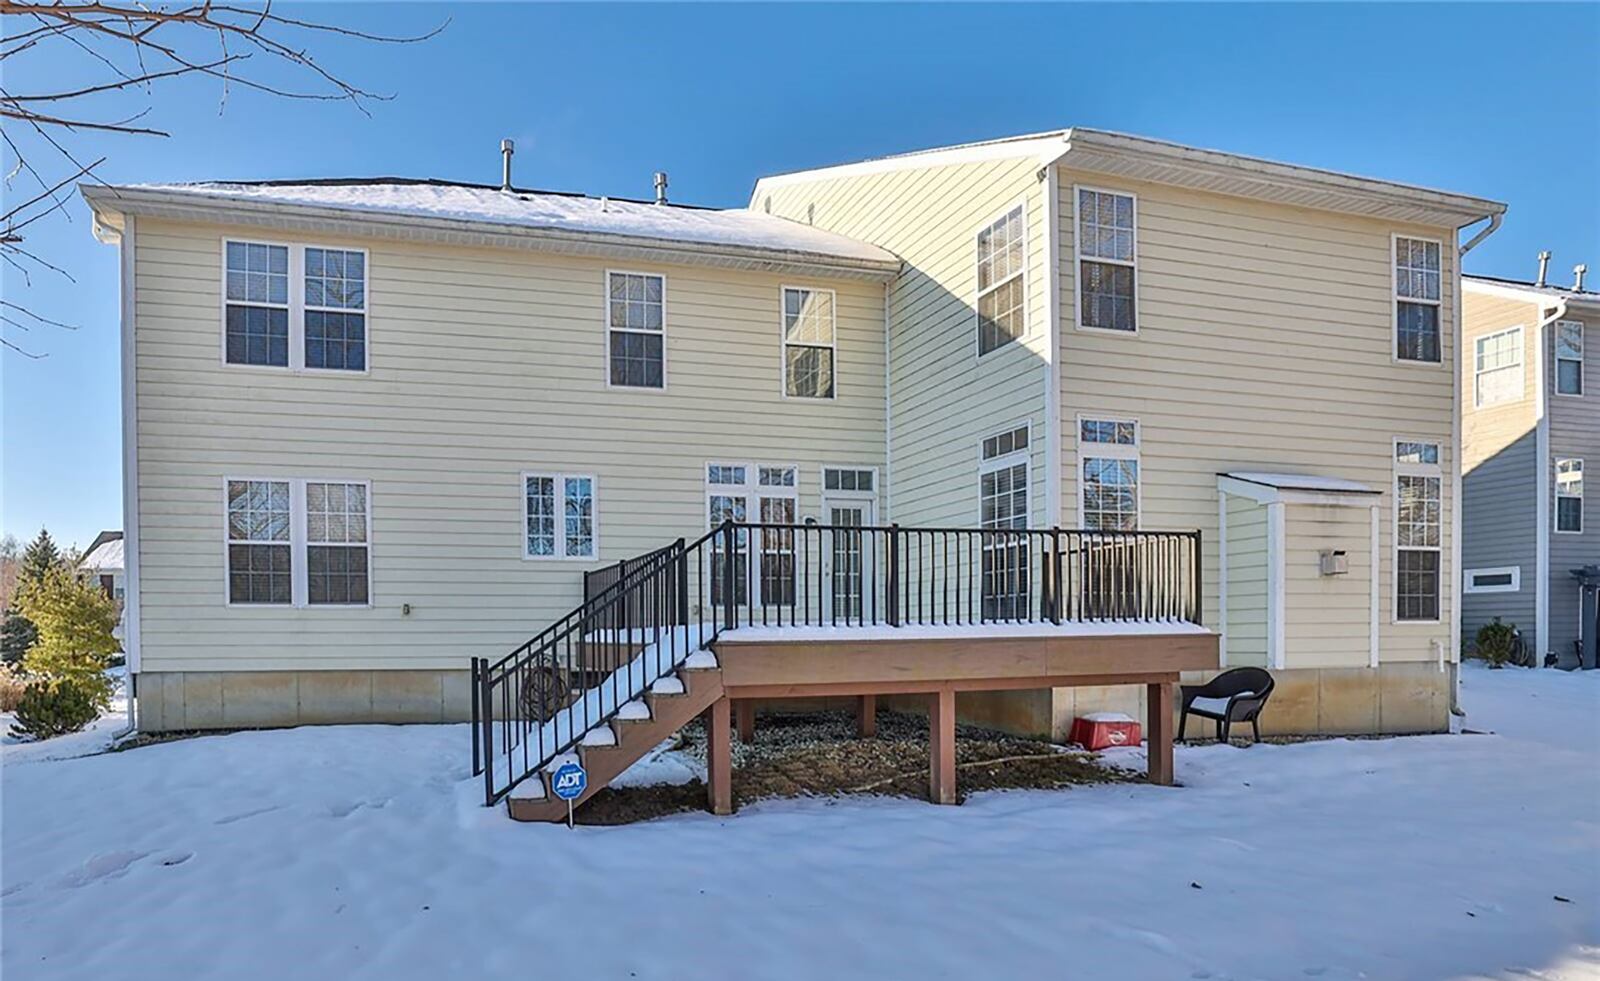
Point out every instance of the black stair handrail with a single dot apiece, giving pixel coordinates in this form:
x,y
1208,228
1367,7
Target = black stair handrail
x,y
524,714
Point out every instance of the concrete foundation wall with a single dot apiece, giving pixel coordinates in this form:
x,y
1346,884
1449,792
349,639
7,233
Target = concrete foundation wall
x,y
171,700
1397,697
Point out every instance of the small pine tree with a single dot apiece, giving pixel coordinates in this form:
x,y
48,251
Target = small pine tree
x,y
17,634
38,558
75,644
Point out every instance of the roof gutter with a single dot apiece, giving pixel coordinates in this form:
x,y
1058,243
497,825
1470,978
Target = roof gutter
x,y
109,203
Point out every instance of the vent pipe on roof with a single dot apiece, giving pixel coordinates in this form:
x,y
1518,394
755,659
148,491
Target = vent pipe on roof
x,y
1577,277
1544,267
661,187
507,148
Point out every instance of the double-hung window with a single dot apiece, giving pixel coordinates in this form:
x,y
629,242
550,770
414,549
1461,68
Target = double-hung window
x,y
558,516
808,342
636,316
298,542
256,312
1416,299
1569,496
1002,296
1569,357
1107,246
295,307
1498,368
1419,522
1003,507
1109,451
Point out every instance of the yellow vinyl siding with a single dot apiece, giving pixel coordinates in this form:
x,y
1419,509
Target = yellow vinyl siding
x,y
944,399
1327,619
1265,342
1246,625
1489,430
484,363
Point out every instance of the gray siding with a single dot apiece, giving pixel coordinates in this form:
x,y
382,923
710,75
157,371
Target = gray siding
x,y
1574,432
1498,530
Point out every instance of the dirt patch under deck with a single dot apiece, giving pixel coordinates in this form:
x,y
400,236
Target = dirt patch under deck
x,y
819,755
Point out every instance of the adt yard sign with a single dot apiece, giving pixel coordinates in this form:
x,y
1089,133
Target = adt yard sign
x,y
569,783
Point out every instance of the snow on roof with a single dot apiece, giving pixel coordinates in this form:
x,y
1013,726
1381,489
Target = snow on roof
x,y
1301,481
106,557
736,227
1548,289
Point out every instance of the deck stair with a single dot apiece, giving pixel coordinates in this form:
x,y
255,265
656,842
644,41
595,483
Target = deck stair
x,y
611,747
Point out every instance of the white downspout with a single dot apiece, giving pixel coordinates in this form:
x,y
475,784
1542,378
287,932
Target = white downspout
x,y
1456,508
1541,509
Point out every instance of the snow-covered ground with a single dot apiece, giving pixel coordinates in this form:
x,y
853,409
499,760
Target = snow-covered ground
x,y
360,852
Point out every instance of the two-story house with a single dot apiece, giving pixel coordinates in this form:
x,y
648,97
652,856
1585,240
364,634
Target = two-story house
x,y
374,428
1531,423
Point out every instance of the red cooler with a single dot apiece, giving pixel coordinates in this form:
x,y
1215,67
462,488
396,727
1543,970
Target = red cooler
x,y
1104,730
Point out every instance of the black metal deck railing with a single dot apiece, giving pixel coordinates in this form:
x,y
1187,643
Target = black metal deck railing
x,y
641,618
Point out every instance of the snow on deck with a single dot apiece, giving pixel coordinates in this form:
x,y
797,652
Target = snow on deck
x,y
360,852
561,212
1078,628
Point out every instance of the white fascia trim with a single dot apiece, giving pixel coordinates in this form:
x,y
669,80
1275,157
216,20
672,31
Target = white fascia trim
x,y
130,462
1044,147
1052,366
300,218
1263,494
1450,208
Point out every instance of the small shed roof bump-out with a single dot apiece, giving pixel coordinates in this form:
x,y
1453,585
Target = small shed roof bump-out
x,y
1266,487
1301,481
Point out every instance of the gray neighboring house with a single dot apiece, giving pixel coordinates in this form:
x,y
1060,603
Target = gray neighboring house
x,y
1530,425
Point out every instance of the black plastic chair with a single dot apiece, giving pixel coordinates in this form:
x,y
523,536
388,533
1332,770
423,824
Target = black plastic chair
x,y
1247,691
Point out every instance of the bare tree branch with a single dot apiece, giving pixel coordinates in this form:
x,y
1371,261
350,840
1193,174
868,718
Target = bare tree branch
x,y
137,48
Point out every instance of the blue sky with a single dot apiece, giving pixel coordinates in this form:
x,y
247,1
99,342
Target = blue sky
x,y
1496,100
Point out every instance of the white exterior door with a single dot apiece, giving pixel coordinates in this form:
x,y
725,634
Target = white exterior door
x,y
848,559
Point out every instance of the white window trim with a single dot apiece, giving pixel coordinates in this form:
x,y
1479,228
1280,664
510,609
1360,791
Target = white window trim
x,y
297,310
1555,347
1470,577
299,577
977,294
752,490
1555,480
1078,257
561,512
1005,461
605,324
784,343
1117,451
1478,373
1395,299
1414,470
840,494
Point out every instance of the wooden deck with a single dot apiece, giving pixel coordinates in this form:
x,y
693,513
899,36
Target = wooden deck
x,y
800,662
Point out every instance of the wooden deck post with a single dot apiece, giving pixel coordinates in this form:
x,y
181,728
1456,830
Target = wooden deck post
x,y
867,716
744,716
942,746
1158,733
719,758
